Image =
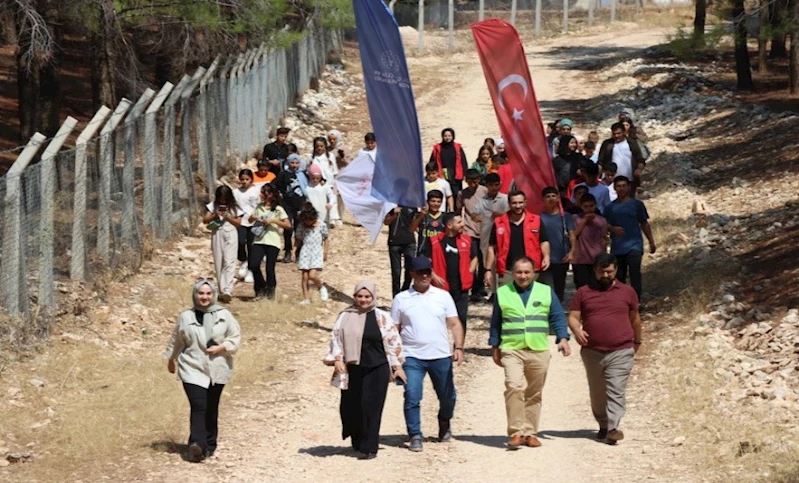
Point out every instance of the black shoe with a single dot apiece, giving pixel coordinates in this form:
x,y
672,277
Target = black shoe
x,y
287,258
270,293
196,453
367,456
602,434
209,453
444,432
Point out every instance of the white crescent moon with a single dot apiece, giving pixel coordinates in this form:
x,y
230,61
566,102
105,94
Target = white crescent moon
x,y
507,81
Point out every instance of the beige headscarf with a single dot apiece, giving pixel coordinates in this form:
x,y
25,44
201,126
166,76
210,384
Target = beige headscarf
x,y
354,320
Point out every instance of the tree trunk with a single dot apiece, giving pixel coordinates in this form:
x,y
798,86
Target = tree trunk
x,y
104,58
700,17
794,71
743,68
778,37
28,98
762,38
50,95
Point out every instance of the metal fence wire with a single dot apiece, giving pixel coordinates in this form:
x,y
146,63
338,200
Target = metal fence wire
x,y
138,174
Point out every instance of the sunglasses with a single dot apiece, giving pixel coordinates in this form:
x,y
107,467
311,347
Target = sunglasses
x,y
424,273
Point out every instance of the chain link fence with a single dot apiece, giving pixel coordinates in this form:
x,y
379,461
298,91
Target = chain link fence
x,y
137,175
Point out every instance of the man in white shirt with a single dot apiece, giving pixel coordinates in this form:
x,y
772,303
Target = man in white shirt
x,y
626,155
424,313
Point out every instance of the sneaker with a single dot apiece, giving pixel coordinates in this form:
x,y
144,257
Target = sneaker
x,y
416,444
305,302
444,432
225,298
602,433
323,295
243,270
249,278
196,453
367,456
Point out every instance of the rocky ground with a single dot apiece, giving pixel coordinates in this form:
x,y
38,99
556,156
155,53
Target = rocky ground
x,y
714,395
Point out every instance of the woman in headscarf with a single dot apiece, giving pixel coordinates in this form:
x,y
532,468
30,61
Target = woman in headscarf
x,y
451,161
336,147
567,163
498,159
366,352
201,352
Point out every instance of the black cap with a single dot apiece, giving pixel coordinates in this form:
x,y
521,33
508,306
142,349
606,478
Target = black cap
x,y
421,263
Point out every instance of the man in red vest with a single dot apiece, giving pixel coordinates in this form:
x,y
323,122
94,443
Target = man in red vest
x,y
454,257
515,235
451,160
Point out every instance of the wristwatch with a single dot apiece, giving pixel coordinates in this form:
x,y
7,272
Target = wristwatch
x,y
459,349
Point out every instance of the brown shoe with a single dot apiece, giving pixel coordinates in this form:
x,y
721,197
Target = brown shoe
x,y
532,442
615,435
515,442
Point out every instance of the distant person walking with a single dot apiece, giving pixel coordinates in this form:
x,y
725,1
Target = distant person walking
x,y
524,313
201,352
267,219
223,218
425,314
366,352
450,160
628,219
605,321
401,246
312,248
247,197
275,153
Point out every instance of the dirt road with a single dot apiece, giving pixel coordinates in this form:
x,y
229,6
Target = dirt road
x,y
291,431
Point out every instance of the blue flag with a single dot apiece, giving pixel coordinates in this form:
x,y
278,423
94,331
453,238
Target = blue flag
x,y
398,176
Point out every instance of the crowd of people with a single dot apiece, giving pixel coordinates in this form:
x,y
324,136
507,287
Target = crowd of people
x,y
475,242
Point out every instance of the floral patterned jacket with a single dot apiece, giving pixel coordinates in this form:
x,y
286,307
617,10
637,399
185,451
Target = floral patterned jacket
x,y
388,329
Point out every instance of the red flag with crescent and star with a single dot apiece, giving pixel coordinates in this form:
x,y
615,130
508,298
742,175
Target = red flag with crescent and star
x,y
511,87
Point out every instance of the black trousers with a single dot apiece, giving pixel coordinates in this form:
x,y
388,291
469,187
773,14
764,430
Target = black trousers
x,y
400,255
204,418
631,262
362,406
288,235
245,240
583,273
462,306
257,253
555,277
479,280
456,185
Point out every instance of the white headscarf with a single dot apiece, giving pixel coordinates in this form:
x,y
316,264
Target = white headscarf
x,y
499,142
339,139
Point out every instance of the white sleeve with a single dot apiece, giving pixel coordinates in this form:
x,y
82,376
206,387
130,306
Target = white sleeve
x,y
395,311
449,305
447,188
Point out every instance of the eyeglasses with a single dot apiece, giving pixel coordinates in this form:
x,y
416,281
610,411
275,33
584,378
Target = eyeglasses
x,y
424,273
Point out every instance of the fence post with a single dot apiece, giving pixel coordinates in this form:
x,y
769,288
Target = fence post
x,y
421,27
232,106
612,11
204,143
106,164
451,22
189,201
482,8
129,221
565,27
150,154
537,18
47,215
220,113
513,12
77,267
168,164
15,277
591,4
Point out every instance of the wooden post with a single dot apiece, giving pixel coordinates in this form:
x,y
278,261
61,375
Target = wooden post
x,y
129,216
150,154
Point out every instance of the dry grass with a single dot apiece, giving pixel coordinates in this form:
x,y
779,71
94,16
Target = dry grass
x,y
107,401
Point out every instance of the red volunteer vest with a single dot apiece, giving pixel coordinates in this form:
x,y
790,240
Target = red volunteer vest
x,y
532,245
458,160
464,243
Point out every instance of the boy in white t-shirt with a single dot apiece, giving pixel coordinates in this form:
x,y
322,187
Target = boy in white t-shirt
x,y
433,182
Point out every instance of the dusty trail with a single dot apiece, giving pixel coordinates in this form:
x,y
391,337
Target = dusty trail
x,y
290,431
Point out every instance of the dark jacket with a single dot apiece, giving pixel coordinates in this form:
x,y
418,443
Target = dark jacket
x,y
606,153
566,168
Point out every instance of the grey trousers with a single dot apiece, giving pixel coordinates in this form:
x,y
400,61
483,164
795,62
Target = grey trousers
x,y
607,374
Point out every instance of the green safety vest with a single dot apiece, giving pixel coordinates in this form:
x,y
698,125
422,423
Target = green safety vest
x,y
525,327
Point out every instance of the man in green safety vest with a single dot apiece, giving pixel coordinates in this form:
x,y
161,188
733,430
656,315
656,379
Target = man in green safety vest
x,y
524,312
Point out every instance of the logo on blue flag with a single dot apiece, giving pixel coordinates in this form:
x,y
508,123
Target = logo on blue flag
x,y
398,176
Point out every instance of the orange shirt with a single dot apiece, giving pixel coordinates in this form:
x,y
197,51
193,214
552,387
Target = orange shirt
x,y
256,179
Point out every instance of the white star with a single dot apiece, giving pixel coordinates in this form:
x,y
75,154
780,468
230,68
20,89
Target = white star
x,y
517,115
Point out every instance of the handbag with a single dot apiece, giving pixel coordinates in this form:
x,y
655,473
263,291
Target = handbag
x,y
645,153
258,229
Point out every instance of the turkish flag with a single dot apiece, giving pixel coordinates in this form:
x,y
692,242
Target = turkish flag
x,y
511,88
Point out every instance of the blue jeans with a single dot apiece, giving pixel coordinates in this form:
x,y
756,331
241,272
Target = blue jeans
x,y
440,371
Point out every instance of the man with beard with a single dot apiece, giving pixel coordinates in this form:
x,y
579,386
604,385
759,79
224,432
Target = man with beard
x,y
516,234
605,321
